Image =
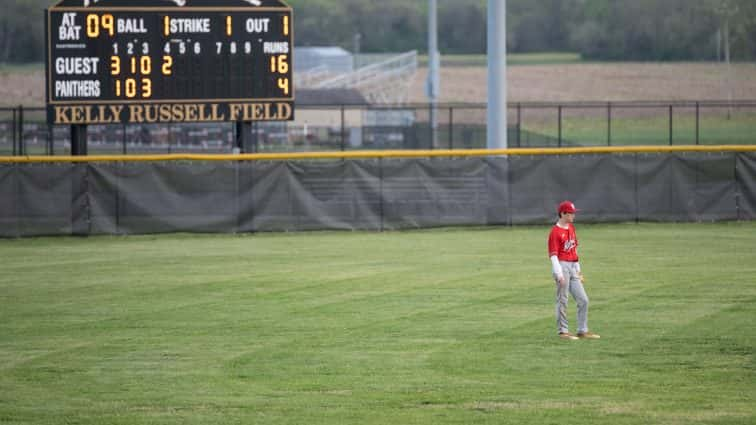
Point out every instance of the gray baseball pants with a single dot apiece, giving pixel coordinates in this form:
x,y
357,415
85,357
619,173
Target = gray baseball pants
x,y
573,285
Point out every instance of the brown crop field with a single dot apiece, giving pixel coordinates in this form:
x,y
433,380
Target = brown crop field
x,y
527,83
23,86
599,82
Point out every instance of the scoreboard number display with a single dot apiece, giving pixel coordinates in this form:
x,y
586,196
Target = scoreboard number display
x,y
169,61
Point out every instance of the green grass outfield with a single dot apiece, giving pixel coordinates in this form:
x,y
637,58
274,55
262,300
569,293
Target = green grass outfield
x,y
738,129
419,327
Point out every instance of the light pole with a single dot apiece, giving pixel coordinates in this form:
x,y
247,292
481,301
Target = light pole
x,y
496,133
434,64
356,42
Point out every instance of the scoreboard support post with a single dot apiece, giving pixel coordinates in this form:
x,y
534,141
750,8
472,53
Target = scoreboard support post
x,y
78,140
255,136
243,140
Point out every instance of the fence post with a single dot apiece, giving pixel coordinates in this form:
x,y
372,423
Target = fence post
x,y
698,109
431,122
451,127
559,114
381,196
21,144
519,124
670,125
609,123
343,128
14,131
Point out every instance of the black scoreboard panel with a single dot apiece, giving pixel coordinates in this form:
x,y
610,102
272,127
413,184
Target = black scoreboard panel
x,y
147,61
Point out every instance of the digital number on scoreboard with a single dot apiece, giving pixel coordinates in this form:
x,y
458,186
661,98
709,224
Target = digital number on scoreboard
x,y
155,61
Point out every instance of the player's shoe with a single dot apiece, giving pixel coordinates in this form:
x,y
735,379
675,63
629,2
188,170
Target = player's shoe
x,y
567,335
588,335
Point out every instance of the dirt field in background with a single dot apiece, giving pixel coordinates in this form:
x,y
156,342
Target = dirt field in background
x,y
598,82
546,83
27,89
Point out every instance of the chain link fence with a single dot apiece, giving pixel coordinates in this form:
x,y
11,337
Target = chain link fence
x,y
24,130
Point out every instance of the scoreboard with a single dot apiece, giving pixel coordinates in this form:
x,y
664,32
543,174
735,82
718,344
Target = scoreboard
x,y
168,61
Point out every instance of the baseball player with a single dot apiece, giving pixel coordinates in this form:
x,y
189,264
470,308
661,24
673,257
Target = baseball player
x,y
565,268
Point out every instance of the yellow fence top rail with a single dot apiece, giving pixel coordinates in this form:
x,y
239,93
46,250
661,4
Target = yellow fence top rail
x,y
367,154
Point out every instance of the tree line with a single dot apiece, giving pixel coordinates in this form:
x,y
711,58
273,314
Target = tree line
x,y
643,30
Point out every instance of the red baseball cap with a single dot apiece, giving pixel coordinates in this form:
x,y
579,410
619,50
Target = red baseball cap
x,y
567,207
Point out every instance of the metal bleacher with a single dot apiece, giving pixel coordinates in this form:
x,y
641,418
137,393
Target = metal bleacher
x,y
385,82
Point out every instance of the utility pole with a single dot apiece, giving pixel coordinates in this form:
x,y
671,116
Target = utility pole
x,y
727,11
496,133
729,66
356,48
434,65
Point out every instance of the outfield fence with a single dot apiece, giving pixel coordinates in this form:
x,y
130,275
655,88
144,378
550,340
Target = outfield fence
x,y
377,190
24,131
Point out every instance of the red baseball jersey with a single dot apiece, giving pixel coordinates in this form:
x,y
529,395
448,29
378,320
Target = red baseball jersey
x,y
563,243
